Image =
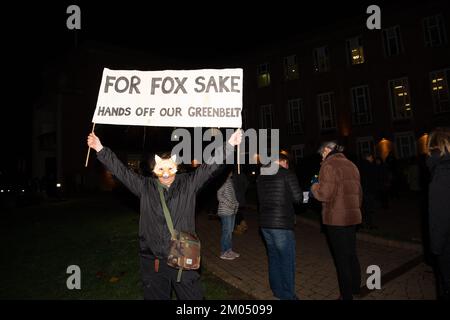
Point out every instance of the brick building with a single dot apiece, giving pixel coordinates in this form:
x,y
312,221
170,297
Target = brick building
x,y
374,90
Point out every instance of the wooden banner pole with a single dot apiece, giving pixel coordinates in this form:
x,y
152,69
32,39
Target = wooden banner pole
x,y
239,156
89,149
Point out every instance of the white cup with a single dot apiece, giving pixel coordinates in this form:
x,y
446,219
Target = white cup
x,y
305,196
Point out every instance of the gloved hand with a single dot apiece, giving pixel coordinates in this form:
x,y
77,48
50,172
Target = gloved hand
x,y
314,180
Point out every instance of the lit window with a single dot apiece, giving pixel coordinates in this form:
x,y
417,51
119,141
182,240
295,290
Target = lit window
x,y
405,145
297,152
392,41
365,145
321,59
361,110
434,31
355,52
295,116
440,90
266,116
263,75
400,99
291,67
327,115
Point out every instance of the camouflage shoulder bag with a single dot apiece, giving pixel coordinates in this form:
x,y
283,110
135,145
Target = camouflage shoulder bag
x,y
184,252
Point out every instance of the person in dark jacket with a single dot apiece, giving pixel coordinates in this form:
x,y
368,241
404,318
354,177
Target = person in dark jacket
x,y
240,184
439,206
180,192
277,194
339,190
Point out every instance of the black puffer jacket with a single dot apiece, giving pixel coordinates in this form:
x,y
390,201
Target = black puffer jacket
x,y
439,204
276,197
154,234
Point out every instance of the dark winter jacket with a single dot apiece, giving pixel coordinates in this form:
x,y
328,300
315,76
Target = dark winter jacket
x,y
439,203
240,185
154,234
276,197
369,177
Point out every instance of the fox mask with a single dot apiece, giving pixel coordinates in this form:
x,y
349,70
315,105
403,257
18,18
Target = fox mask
x,y
165,167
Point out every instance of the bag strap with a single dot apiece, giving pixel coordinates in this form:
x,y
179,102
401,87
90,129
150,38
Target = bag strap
x,y
168,220
166,210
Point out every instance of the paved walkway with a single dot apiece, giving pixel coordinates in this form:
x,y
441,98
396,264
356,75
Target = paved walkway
x,y
404,276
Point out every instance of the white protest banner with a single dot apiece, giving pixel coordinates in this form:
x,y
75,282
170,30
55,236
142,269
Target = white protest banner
x,y
171,98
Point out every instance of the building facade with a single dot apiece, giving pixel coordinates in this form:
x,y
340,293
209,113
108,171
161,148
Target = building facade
x,y
376,91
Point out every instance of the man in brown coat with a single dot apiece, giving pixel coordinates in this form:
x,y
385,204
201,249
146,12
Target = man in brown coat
x,y
339,190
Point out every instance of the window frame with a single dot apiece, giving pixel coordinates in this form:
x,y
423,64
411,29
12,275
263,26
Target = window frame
x,y
289,76
355,108
299,123
350,47
330,94
367,139
387,44
298,147
440,27
263,109
437,109
325,59
260,73
398,150
393,103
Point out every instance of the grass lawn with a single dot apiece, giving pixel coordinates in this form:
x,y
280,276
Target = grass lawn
x,y
98,234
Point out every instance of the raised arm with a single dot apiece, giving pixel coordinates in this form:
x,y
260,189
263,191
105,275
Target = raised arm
x,y
133,181
210,167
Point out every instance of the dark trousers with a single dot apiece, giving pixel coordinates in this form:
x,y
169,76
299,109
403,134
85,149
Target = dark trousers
x,y
443,266
281,252
159,285
369,204
342,242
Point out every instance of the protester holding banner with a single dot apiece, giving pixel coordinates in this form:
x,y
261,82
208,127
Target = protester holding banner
x,y
180,192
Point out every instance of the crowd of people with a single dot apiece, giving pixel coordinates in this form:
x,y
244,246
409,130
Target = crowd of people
x,y
349,194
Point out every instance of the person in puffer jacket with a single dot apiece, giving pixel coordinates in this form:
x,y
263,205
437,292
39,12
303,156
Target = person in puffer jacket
x,y
228,207
339,190
277,194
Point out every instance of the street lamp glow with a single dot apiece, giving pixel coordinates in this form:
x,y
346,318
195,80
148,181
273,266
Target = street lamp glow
x,y
58,185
